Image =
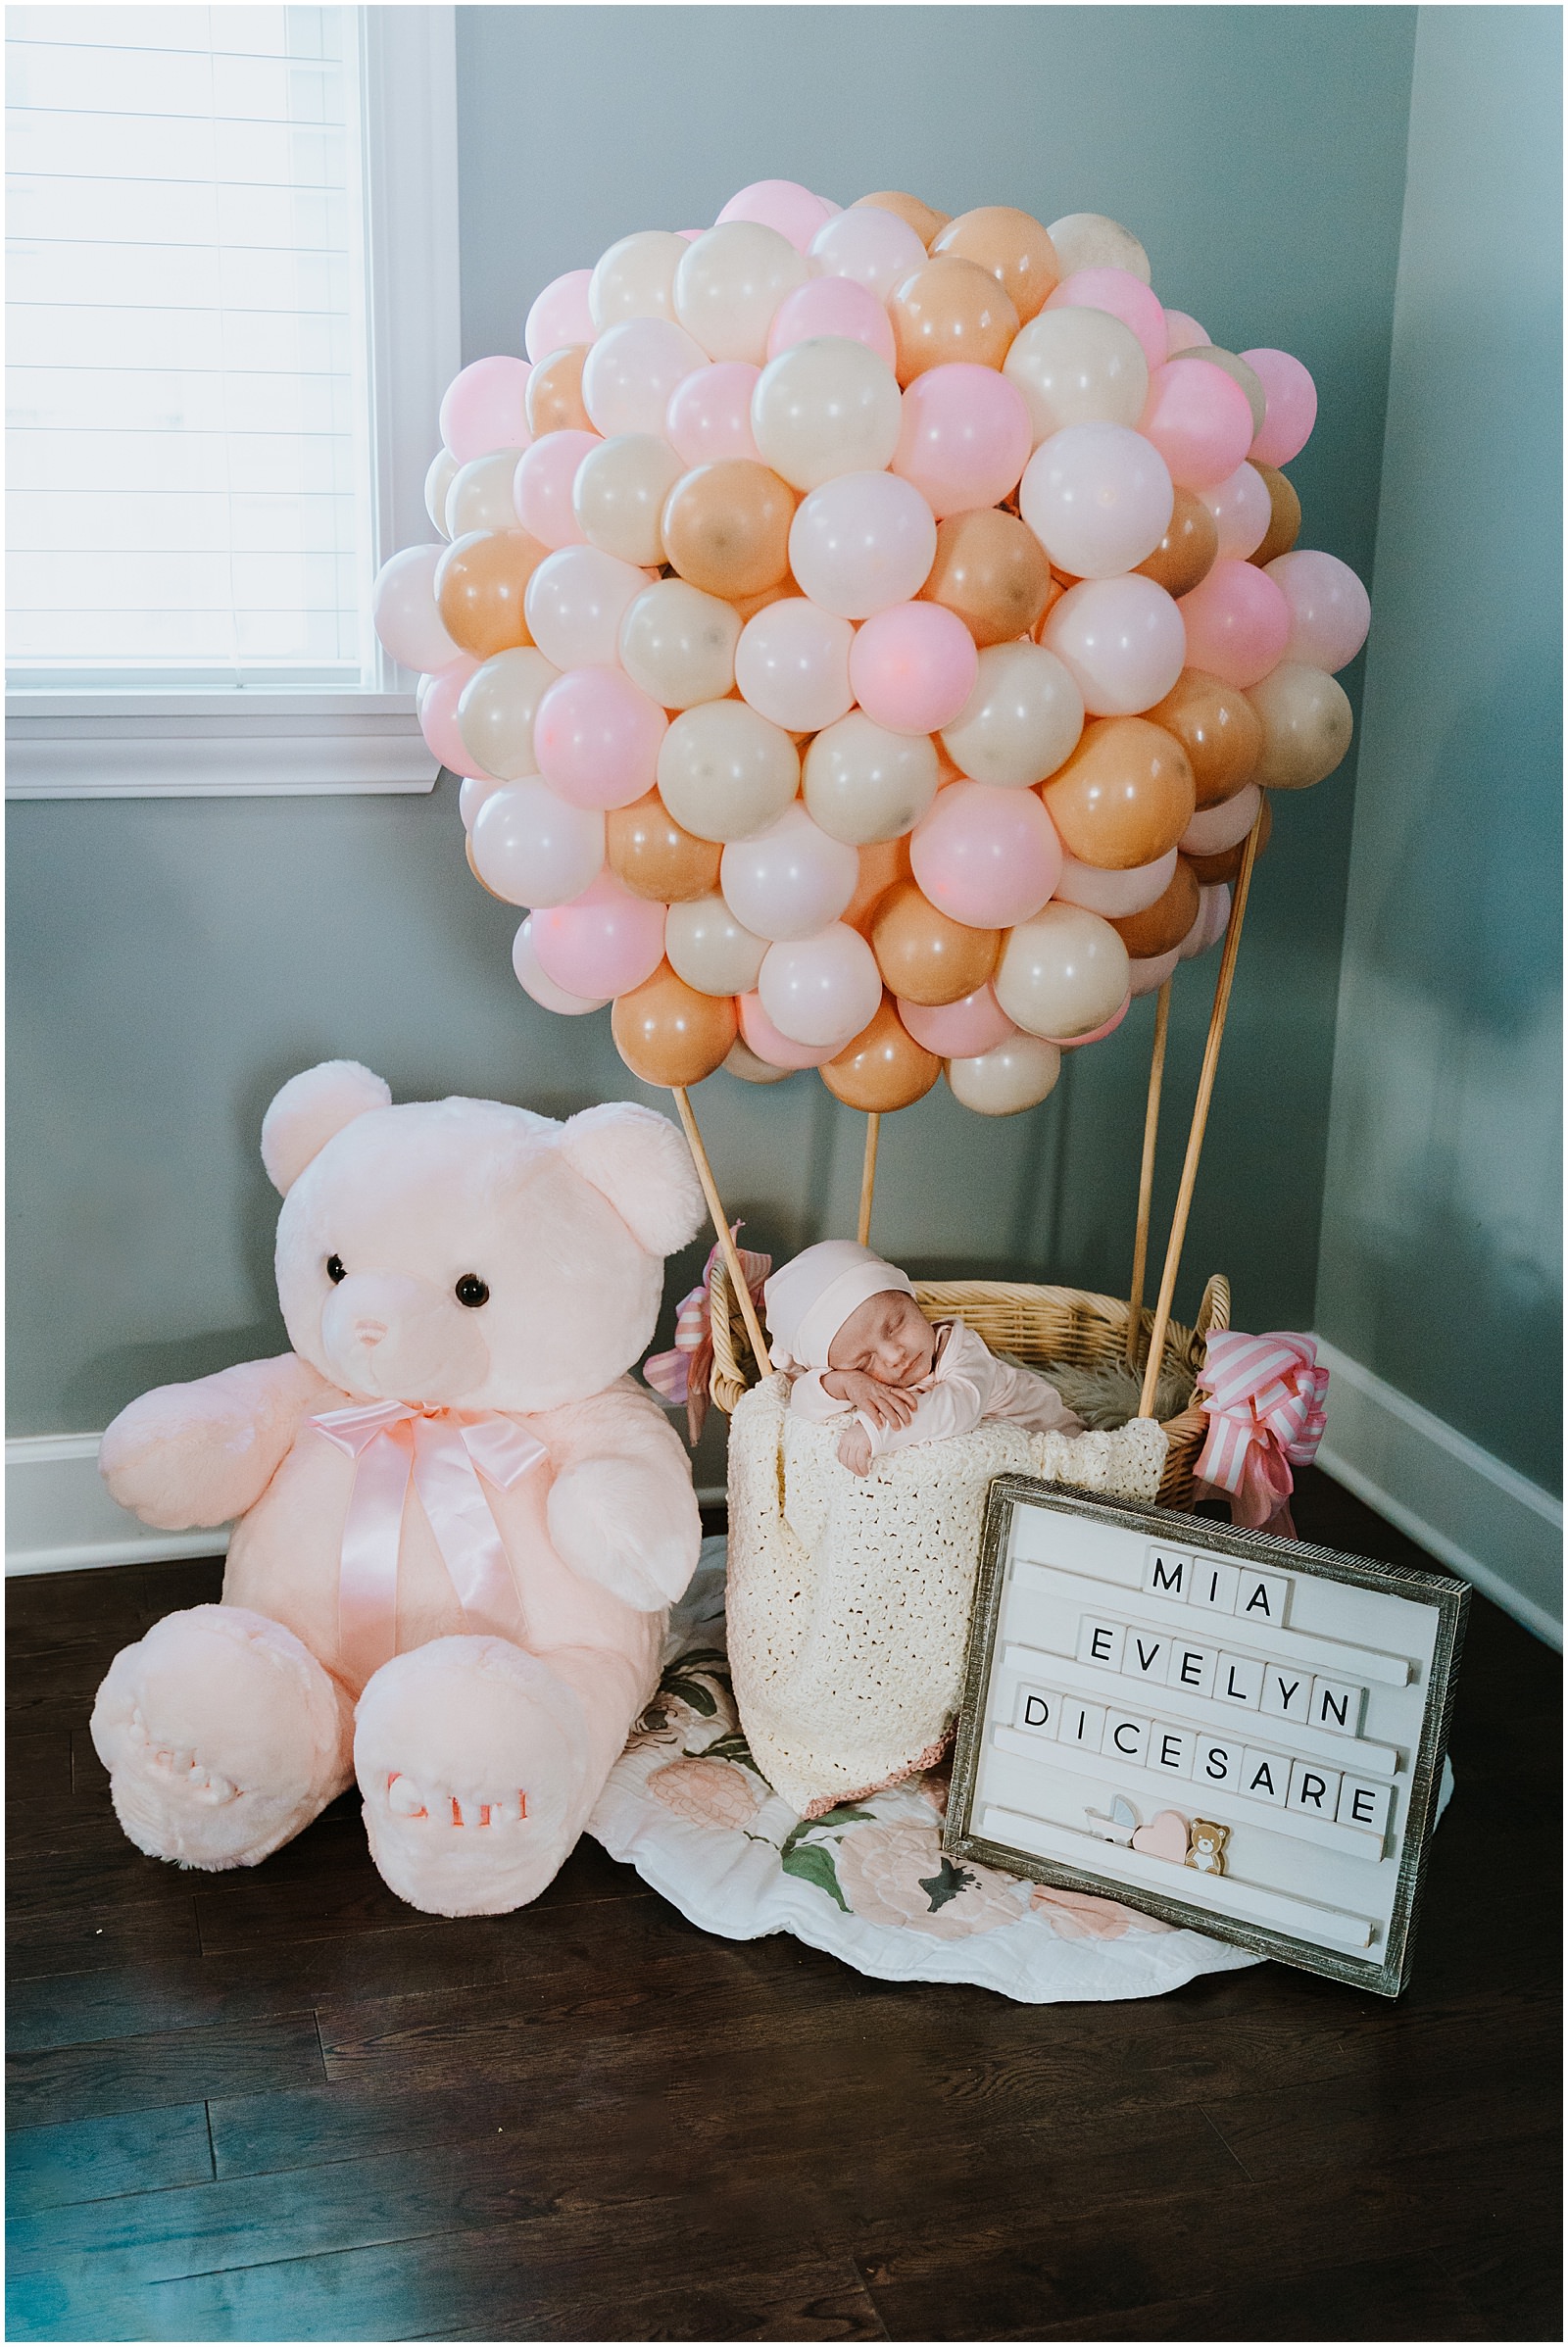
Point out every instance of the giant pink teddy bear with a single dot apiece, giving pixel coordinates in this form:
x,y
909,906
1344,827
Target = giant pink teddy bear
x,y
459,1523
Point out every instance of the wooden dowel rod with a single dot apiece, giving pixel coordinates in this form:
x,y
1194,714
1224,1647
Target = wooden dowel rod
x,y
1146,1174
1195,1135
732,1260
873,1129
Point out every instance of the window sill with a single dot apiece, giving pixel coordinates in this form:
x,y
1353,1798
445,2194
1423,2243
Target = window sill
x,y
195,744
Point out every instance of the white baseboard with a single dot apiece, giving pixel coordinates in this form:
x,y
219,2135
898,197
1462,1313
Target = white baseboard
x,y
59,1518
1483,1519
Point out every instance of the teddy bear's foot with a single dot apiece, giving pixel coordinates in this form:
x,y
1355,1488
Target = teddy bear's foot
x,y
477,1766
222,1736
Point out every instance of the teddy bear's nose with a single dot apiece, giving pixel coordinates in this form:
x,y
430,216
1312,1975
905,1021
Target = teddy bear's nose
x,y
370,1332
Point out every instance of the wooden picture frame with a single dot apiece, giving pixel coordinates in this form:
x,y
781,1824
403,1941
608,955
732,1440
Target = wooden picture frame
x,y
1125,1662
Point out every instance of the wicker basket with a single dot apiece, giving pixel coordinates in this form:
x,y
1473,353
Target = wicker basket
x,y
1037,1324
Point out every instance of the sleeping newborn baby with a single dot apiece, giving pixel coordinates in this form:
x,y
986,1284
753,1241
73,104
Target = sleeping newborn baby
x,y
845,1326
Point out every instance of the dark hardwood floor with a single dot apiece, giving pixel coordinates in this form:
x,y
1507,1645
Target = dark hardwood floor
x,y
281,2105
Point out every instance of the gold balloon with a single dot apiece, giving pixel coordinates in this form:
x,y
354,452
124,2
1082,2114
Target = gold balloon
x,y
991,570
1226,862
726,527
919,217
1162,926
479,584
670,1034
883,864
650,853
925,956
1219,729
1125,795
1285,521
553,400
950,308
1307,725
884,1067
1013,246
1189,550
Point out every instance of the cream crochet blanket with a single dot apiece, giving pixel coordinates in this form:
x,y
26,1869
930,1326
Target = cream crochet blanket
x,y
848,1596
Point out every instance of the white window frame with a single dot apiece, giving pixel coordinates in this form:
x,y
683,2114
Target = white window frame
x,y
226,743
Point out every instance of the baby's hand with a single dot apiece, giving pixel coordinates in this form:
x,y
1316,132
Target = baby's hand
x,y
854,1449
884,1405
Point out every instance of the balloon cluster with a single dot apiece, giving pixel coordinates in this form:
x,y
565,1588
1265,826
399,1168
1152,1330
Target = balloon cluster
x,y
865,637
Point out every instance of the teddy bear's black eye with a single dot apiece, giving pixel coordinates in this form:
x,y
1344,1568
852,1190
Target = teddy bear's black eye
x,y
335,1270
472,1290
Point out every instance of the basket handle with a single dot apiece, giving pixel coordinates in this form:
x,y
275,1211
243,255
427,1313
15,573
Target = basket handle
x,y
727,1380
1214,1312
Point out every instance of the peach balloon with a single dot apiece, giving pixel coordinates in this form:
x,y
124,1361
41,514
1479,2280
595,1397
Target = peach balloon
x,y
727,527
1122,295
543,484
1063,974
1237,622
958,1029
1189,550
484,408
926,222
1330,611
912,667
1012,245
710,415
1015,1074
1219,729
1306,726
1113,895
924,955
965,438
1148,977
1125,795
1199,419
883,864
1123,641
950,309
985,855
560,315
831,306
651,855
992,572
480,583
555,393
884,1067
1242,512
1285,515
667,1033
774,1049
1162,926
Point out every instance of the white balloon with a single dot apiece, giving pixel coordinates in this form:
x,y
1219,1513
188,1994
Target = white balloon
x,y
497,707
826,407
730,281
1091,240
479,497
438,481
472,792
821,990
405,612
1012,1075
619,492
1023,721
1149,976
636,279
679,644
531,978
1123,639
1099,497
792,664
873,247
791,880
631,371
1078,367
706,945
533,849
1115,894
863,783
862,542
574,605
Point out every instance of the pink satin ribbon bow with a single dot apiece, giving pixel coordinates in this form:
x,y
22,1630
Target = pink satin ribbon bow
x,y
683,1375
1265,1402
443,1454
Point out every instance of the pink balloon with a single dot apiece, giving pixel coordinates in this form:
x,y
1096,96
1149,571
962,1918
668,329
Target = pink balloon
x,y
1241,509
823,989
1114,894
965,435
560,315
596,737
986,856
483,408
784,205
759,1035
1290,407
541,490
1123,642
1330,609
1213,829
438,720
791,881
1075,1042
1237,622
1150,976
958,1029
1125,296
913,667
531,978
1199,419
604,943
709,415
831,306
1184,334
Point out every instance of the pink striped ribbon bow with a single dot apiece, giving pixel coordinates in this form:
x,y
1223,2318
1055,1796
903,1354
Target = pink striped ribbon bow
x,y
1265,1402
443,1454
683,1375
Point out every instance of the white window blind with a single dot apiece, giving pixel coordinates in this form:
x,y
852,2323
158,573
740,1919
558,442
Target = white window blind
x,y
189,484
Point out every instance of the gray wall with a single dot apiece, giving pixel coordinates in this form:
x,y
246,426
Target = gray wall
x,y
1441,1266
172,963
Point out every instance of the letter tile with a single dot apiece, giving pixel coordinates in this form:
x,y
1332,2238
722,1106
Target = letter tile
x,y
1171,1749
1364,1803
1166,1573
1099,1643
1238,1678
1192,1667
1081,1724
1213,1584
1038,1709
1265,1777
1145,1655
1287,1691
1217,1764
1125,1737
1336,1706
1262,1597
1314,1790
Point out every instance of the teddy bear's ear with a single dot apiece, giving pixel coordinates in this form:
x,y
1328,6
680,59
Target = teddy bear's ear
x,y
311,1107
641,1164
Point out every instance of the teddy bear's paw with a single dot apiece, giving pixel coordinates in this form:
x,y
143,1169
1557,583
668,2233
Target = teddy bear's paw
x,y
475,1763
222,1736
621,1525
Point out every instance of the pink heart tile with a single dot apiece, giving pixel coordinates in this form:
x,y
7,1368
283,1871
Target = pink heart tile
x,y
1164,1836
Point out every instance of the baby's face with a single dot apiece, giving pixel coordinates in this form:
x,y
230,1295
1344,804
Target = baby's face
x,y
888,1338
